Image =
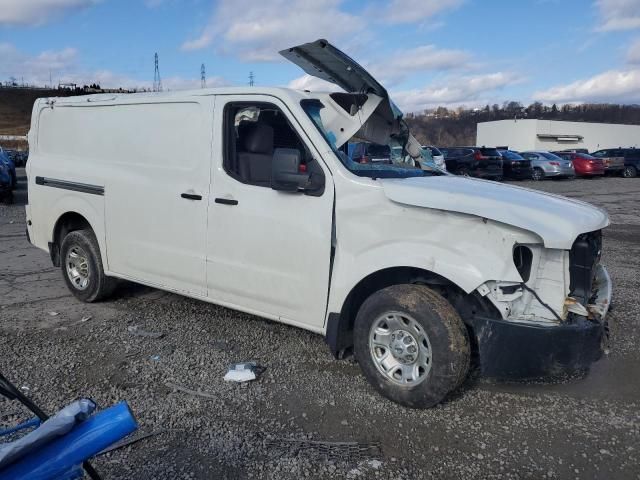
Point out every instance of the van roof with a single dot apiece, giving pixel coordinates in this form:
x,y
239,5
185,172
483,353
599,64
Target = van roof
x,y
121,98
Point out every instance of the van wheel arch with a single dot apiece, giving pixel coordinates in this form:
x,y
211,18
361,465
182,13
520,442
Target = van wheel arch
x,y
67,223
340,326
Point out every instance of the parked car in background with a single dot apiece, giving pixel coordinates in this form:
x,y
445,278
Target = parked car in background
x,y
631,162
11,167
515,165
481,162
613,159
6,190
548,165
584,165
438,157
19,158
365,152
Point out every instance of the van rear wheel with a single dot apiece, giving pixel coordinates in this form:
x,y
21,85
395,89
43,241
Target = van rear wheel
x,y
411,345
81,265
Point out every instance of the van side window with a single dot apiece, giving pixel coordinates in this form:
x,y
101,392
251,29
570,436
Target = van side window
x,y
252,132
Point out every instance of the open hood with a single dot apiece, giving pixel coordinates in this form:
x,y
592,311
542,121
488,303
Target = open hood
x,y
322,60
375,119
556,220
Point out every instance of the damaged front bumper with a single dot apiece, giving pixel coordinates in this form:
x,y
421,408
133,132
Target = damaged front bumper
x,y
512,349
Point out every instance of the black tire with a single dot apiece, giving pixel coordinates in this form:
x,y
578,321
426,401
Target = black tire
x,y
98,285
14,181
629,171
463,172
446,334
538,174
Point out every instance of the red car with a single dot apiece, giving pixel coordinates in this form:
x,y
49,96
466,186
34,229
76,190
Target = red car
x,y
584,165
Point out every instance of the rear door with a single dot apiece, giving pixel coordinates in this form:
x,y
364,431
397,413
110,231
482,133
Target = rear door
x,y
617,159
268,252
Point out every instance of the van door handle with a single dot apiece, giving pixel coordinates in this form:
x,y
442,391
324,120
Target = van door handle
x,y
226,201
191,196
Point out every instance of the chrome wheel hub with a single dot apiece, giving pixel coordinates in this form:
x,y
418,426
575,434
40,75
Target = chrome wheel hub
x,y
77,264
400,348
403,346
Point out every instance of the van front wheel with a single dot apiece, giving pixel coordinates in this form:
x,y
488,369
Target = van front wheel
x,y
82,267
411,345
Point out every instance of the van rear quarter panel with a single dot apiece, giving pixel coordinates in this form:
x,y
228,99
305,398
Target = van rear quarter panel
x,y
99,143
56,155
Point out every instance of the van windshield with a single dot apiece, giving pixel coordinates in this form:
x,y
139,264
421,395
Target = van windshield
x,y
367,159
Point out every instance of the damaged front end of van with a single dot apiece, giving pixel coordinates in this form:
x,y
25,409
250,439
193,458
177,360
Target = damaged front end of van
x,y
533,268
554,320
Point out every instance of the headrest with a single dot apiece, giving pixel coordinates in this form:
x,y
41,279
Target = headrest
x,y
257,138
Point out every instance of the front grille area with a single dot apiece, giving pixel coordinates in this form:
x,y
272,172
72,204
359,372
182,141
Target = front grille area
x,y
583,257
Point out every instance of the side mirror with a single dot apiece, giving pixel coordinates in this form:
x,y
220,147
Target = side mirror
x,y
285,171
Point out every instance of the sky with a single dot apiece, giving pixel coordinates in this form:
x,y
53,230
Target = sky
x,y
427,53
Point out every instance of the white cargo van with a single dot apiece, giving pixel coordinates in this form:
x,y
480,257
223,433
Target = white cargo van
x,y
245,197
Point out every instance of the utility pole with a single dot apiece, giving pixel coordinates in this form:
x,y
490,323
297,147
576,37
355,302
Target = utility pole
x,y
203,77
157,82
251,78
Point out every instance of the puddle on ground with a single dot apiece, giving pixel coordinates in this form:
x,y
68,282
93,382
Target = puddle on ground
x,y
608,379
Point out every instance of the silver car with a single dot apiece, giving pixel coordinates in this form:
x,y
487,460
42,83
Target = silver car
x,y
548,165
438,157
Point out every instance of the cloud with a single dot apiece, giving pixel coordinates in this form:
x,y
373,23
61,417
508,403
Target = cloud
x,y
470,90
615,86
258,30
64,68
37,12
35,69
633,53
416,11
426,58
618,14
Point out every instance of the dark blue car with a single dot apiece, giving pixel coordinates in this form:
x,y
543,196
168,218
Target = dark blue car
x,y
8,178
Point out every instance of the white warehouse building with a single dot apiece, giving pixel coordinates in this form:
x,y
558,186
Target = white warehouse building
x,y
523,134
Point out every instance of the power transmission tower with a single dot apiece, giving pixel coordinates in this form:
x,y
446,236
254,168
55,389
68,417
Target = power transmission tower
x,y
203,77
251,78
157,82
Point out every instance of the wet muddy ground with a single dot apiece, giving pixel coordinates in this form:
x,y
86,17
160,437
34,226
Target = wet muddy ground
x,y
292,422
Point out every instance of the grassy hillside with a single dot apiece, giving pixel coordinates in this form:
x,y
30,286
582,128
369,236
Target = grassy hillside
x,y
16,105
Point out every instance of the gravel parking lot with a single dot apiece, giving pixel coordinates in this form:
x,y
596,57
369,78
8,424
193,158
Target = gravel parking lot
x,y
310,415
